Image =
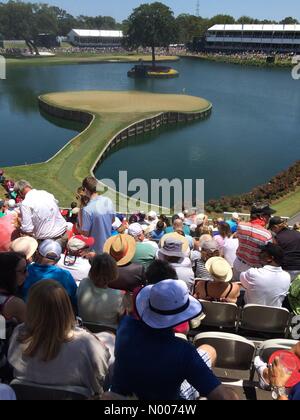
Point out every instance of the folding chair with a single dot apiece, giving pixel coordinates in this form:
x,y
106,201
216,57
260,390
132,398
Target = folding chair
x,y
220,315
264,320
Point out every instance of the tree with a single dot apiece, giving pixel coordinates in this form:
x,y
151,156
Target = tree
x,y
289,21
190,26
151,25
247,20
222,20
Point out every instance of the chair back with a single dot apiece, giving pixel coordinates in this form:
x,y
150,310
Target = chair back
x,y
269,347
219,314
233,351
265,319
27,391
98,328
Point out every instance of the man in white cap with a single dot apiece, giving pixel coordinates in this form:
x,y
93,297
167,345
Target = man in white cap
x,y
151,362
75,259
145,250
45,268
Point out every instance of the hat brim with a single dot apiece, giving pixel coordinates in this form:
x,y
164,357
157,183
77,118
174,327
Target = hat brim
x,y
208,265
170,253
130,252
33,246
159,322
175,235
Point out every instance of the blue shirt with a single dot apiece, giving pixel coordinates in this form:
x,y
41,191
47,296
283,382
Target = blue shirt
x,y
97,219
295,393
233,225
186,230
152,364
37,272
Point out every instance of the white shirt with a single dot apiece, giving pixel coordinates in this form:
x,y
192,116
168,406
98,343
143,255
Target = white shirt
x,y
229,249
41,216
266,286
79,271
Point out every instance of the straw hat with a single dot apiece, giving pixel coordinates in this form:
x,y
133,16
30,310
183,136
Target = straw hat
x,y
25,245
121,248
220,269
177,237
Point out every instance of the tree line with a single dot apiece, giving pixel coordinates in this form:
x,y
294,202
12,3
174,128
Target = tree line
x,y
20,20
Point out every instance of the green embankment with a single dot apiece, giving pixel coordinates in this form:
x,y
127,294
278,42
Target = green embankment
x,y
79,58
289,205
113,112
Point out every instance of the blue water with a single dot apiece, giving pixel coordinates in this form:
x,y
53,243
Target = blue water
x,y
252,135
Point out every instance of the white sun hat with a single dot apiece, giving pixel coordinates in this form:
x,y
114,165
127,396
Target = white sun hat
x,y
167,304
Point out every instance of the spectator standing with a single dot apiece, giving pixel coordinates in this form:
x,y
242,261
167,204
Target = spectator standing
x,y
40,215
251,237
98,216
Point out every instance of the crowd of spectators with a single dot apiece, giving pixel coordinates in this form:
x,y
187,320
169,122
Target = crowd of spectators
x,y
139,276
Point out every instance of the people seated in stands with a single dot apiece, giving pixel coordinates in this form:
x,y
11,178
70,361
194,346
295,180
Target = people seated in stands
x,y
12,276
281,374
76,257
117,227
221,289
151,362
209,249
97,216
159,232
97,302
172,252
145,250
289,241
50,350
177,224
268,285
45,268
122,249
25,245
251,236
40,215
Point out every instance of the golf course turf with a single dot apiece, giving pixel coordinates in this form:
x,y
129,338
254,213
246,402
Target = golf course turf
x,y
110,113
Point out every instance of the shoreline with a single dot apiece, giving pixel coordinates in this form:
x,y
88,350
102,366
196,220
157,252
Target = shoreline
x,y
63,172
87,59
241,61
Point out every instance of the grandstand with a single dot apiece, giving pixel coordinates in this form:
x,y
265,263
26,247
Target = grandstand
x,y
268,38
95,38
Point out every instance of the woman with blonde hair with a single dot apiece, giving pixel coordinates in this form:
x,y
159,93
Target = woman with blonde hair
x,y
48,349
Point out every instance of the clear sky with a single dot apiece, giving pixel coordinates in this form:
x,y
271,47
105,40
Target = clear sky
x,y
120,9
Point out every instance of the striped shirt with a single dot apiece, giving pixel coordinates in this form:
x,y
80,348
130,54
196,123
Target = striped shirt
x,y
251,237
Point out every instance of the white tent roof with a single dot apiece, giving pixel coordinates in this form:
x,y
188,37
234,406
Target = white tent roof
x,y
261,28
97,33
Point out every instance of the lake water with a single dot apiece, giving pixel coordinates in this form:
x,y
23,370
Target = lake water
x,y
252,134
